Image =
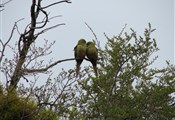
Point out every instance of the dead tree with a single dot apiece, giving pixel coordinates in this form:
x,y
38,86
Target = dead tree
x,y
29,36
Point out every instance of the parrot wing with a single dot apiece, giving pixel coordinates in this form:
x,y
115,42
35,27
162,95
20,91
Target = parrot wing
x,y
92,54
79,53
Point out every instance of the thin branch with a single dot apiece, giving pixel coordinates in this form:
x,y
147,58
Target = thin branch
x,y
92,31
17,29
4,45
45,22
43,53
25,78
2,5
46,29
67,1
122,30
97,42
54,17
1,42
63,89
50,66
46,68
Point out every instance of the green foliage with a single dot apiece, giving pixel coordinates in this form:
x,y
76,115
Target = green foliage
x,y
13,107
45,114
16,108
127,86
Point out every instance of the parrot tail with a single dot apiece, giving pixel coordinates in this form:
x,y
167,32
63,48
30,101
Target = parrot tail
x,y
77,69
95,70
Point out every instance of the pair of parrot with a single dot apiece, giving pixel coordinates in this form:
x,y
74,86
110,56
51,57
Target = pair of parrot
x,y
83,49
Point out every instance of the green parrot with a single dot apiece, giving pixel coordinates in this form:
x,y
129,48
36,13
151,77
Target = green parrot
x,y
92,54
79,53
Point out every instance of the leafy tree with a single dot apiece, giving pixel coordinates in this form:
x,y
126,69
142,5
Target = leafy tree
x,y
16,108
127,86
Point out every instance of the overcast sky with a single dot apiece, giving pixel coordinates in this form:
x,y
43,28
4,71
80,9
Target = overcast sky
x,y
107,16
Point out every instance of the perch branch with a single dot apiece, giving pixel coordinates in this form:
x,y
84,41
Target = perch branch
x,y
46,68
50,66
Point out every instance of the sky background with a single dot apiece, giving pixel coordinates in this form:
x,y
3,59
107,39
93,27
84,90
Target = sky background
x,y
104,16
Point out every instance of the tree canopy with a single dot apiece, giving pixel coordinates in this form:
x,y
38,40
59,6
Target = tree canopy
x,y
127,86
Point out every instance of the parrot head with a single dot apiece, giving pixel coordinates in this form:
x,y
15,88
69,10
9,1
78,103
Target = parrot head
x,y
81,41
90,44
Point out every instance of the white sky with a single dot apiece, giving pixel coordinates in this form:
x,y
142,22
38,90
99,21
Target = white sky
x,y
107,16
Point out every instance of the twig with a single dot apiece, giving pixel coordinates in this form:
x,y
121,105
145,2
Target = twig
x,y
122,30
46,29
54,17
92,31
67,1
97,42
4,45
25,78
45,22
2,5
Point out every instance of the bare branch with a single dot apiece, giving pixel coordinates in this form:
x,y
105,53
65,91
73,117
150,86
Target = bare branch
x,y
97,42
1,42
92,31
46,29
29,36
2,5
22,55
67,1
41,70
46,16
4,45
55,17
46,68
38,52
122,30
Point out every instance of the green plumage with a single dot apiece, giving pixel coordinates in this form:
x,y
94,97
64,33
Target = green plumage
x,y
79,53
92,54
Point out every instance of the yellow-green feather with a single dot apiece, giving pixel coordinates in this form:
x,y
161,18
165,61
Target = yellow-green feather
x,y
79,53
92,54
